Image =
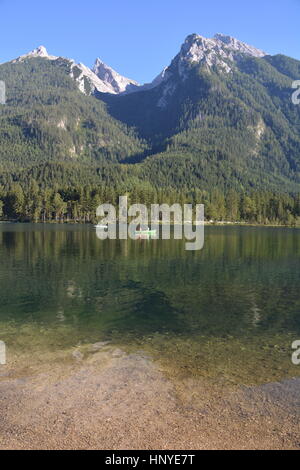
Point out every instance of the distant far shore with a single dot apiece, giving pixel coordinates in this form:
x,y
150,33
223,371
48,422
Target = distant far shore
x,y
223,223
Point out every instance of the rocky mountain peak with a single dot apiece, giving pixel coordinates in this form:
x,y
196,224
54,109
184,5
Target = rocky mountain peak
x,y
40,51
220,51
112,79
239,46
105,80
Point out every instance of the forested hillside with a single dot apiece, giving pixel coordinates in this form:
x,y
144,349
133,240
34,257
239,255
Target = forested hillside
x,y
229,139
47,118
236,130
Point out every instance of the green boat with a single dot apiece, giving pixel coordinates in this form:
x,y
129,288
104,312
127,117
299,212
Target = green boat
x,y
145,232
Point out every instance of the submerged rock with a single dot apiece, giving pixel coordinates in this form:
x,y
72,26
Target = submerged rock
x,y
77,355
99,345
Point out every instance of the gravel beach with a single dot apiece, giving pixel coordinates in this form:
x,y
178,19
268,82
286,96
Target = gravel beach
x,y
115,400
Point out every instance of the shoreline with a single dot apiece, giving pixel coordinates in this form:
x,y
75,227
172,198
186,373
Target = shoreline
x,y
117,400
206,223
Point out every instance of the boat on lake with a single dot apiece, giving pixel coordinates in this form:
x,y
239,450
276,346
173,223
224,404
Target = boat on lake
x,y
145,232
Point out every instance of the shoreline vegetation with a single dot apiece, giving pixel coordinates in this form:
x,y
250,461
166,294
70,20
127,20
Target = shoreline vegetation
x,y
216,223
33,203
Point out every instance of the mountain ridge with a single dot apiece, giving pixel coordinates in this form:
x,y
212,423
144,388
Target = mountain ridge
x,y
195,48
219,114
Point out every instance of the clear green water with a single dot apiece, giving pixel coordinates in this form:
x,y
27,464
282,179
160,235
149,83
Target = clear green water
x,y
229,312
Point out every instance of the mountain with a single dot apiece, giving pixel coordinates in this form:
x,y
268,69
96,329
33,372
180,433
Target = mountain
x,y
222,109
40,51
220,55
101,78
116,82
220,115
50,116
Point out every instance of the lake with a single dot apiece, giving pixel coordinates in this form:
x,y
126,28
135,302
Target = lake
x,y
228,313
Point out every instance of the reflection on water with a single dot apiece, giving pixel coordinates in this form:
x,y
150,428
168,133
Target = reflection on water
x,y
229,312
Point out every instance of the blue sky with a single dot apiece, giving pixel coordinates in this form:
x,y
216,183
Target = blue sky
x,y
138,38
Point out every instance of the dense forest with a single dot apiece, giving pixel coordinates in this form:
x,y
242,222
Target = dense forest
x,y
31,203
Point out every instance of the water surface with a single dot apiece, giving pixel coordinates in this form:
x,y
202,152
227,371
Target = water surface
x,y
228,313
